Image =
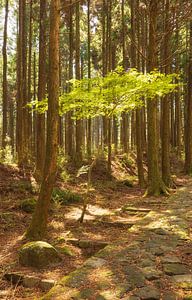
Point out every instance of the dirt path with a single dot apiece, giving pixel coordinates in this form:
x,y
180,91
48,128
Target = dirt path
x,y
157,264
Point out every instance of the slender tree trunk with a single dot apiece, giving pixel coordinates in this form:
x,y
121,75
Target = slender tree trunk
x,y
22,111
38,226
40,155
79,126
29,95
89,142
69,122
188,150
5,84
166,174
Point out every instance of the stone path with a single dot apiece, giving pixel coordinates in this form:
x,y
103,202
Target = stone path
x,y
156,265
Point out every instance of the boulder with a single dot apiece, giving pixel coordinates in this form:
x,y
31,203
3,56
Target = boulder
x,y
38,254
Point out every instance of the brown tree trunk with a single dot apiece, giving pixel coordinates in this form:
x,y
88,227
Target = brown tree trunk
x,y
155,183
166,174
5,84
79,125
40,154
188,150
38,226
69,121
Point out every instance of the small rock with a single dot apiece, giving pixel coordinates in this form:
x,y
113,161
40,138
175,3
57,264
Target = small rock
x,y
47,284
30,281
160,231
187,251
147,263
175,269
169,296
183,281
148,293
151,274
170,259
134,276
131,298
38,254
95,262
157,251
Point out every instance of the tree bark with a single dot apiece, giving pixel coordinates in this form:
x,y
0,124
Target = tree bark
x,y
40,154
5,84
38,226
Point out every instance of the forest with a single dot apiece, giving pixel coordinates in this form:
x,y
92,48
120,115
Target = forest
x,y
96,149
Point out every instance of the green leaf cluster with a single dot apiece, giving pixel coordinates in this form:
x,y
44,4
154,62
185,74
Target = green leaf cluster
x,y
118,92
113,94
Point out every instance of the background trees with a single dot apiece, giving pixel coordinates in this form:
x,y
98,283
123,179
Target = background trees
x,y
96,37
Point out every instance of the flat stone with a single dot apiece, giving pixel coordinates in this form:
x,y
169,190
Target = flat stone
x,y
148,293
30,281
187,251
134,276
95,262
135,209
131,298
84,244
169,296
170,259
157,251
175,269
146,263
47,284
160,231
151,274
183,281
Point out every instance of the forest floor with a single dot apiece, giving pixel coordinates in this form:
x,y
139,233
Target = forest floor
x,y
129,245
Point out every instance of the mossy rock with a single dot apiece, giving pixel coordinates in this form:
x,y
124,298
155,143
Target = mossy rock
x,y
65,197
28,205
38,254
65,250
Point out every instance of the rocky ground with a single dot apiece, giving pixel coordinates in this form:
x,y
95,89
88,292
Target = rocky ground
x,y
157,264
128,247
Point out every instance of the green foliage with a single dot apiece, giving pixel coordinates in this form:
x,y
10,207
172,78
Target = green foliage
x,y
61,163
65,197
6,155
119,91
28,205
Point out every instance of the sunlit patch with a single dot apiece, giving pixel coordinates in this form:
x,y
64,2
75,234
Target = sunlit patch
x,y
57,224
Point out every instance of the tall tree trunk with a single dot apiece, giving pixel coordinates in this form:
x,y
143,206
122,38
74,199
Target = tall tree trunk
x,y
22,111
5,84
79,126
38,226
40,154
68,121
188,150
166,174
89,140
29,95
155,183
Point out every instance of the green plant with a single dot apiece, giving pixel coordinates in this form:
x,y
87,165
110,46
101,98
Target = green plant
x,y
65,196
28,205
6,155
